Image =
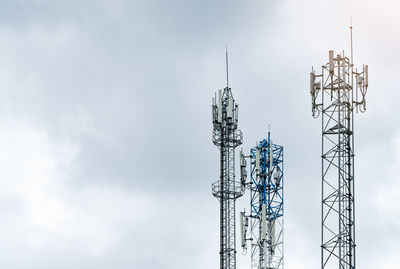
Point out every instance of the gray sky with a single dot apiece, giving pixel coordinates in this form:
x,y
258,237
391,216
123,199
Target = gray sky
x,y
106,157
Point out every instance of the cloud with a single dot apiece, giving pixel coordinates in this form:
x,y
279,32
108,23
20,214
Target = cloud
x,y
105,131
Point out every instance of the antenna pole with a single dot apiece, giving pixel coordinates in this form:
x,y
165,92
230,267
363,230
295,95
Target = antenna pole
x,y
351,40
227,70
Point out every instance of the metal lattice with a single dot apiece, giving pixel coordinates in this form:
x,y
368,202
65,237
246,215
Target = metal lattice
x,y
227,137
266,205
336,93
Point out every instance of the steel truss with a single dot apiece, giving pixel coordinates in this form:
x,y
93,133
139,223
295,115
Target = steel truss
x,y
227,137
266,205
336,93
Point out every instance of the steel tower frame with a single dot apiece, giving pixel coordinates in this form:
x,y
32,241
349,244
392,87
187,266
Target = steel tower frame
x,y
336,93
266,205
226,137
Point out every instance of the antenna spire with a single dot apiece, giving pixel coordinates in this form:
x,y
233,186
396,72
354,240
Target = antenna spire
x,y
351,39
227,70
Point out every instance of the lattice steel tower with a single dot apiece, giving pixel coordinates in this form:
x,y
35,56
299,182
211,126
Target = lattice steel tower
x,y
226,137
336,93
266,205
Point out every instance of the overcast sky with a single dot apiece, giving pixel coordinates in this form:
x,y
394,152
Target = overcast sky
x,y
106,156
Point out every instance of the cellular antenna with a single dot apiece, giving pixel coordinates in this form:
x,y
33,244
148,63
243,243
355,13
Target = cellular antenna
x,y
227,70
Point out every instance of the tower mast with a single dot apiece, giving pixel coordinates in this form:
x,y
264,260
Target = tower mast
x,y
266,205
226,137
336,92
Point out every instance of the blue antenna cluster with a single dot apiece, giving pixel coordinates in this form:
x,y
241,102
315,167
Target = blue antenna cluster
x,y
266,205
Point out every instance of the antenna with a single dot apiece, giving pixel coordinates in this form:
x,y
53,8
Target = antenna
x,y
227,70
351,39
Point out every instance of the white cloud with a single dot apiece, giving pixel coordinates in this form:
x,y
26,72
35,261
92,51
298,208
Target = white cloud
x,y
105,136
47,216
53,222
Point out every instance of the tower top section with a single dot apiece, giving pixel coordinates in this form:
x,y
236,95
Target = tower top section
x,y
341,81
225,115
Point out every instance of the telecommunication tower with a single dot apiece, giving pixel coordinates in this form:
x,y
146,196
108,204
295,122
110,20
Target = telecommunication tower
x,y
226,137
266,205
336,93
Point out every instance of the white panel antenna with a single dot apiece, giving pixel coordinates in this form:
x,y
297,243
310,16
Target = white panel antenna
x,y
242,237
230,107
257,159
331,65
273,234
318,86
277,177
263,222
312,82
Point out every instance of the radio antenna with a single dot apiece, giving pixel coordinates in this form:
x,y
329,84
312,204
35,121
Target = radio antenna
x,y
227,70
351,40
